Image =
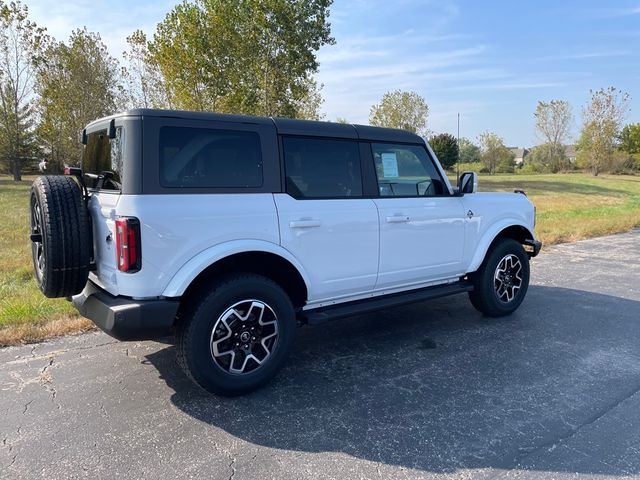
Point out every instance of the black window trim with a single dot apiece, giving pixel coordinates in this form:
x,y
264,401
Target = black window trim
x,y
283,172
371,161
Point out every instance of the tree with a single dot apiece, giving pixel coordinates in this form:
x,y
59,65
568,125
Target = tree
x,y
307,107
77,83
146,87
601,121
495,155
20,43
553,122
252,57
445,147
469,151
401,109
342,120
630,138
548,158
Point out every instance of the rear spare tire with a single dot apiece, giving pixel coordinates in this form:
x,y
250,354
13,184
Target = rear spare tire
x,y
60,236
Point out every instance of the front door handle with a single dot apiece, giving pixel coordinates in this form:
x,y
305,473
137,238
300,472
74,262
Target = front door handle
x,y
304,223
398,219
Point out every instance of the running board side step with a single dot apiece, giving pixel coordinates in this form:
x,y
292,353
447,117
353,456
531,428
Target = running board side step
x,y
341,310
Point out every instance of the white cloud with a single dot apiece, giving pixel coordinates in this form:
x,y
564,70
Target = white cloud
x,y
587,55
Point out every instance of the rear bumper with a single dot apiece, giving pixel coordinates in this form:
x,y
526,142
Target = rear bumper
x,y
124,318
536,245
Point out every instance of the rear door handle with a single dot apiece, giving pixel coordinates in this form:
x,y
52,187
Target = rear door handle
x,y
398,219
306,223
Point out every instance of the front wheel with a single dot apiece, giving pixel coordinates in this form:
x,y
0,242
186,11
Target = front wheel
x,y
501,282
236,336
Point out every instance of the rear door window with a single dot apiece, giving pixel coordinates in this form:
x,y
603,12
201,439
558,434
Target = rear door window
x,y
209,158
322,168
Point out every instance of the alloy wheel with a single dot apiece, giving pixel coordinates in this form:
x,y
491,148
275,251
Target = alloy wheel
x,y
244,337
507,279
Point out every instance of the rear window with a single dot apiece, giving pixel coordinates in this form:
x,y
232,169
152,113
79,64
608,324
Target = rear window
x,y
322,168
208,158
103,154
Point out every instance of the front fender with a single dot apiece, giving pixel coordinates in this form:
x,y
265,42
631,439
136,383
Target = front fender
x,y
489,236
190,270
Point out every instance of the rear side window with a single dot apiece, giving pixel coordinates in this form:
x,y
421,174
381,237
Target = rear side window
x,y
405,171
208,158
322,168
103,154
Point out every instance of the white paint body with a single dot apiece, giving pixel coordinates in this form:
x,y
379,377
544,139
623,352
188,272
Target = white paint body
x,y
344,249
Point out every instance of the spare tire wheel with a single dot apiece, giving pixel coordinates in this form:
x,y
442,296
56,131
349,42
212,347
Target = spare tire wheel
x,y
60,236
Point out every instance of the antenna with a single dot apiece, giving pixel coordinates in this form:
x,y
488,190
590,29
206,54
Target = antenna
x,y
458,159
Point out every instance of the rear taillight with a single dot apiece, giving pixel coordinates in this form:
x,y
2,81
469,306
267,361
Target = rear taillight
x,y
128,244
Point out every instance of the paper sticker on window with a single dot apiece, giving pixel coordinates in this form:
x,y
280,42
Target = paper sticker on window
x,y
390,165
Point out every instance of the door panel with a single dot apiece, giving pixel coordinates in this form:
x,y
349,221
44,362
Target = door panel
x,y
336,241
421,239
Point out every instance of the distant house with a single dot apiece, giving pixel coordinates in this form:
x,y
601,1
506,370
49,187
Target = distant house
x,y
518,154
570,152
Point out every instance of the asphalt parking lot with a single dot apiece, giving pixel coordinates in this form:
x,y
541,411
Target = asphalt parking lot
x,y
432,390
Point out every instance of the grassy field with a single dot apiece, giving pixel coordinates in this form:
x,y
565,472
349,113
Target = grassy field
x,y
575,206
25,314
570,207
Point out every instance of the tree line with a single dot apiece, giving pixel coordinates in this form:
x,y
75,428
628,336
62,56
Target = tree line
x,y
253,57
603,145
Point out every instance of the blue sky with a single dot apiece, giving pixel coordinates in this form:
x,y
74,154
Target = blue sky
x,y
489,61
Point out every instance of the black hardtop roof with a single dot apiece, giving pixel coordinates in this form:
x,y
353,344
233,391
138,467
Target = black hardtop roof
x,y
285,126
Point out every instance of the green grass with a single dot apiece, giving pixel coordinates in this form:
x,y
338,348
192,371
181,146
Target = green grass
x,y
575,206
570,207
21,302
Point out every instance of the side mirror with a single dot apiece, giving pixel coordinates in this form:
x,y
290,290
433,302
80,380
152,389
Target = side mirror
x,y
468,183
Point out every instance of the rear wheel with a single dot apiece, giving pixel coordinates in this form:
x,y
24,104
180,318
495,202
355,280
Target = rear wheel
x,y
501,282
235,337
60,236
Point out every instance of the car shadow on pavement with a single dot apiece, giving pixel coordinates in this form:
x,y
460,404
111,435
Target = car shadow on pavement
x,y
437,387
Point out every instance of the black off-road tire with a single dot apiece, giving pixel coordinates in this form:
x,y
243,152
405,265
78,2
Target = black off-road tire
x,y
485,296
195,333
60,236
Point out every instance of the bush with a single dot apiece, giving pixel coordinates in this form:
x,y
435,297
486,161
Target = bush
x,y
625,163
477,167
505,165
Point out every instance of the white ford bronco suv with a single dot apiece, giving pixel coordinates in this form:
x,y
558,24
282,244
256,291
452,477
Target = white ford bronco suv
x,y
232,230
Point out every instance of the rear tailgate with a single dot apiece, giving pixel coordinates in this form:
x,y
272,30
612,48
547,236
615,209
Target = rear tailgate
x,y
102,207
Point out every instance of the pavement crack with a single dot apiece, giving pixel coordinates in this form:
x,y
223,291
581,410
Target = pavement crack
x,y
46,380
232,462
572,432
26,406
